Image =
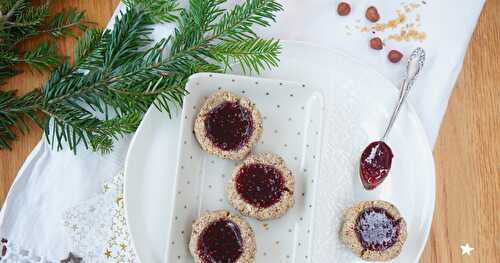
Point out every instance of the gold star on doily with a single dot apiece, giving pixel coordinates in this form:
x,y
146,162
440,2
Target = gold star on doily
x,y
108,254
123,246
72,259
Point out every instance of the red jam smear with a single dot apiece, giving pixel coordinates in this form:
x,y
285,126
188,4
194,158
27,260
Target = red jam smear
x,y
229,125
375,164
376,229
260,185
220,242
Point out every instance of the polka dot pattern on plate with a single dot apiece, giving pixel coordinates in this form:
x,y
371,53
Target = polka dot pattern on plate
x,y
292,117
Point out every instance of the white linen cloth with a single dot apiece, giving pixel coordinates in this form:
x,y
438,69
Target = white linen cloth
x,y
52,183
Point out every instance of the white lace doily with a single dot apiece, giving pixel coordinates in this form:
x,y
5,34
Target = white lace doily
x,y
11,253
97,227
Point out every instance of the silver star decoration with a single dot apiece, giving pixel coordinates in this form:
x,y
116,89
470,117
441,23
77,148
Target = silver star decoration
x,y
466,249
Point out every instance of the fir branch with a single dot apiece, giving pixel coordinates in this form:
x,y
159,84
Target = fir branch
x,y
12,7
42,57
61,24
160,11
14,113
7,58
116,128
86,46
118,73
237,24
251,54
130,33
29,19
21,20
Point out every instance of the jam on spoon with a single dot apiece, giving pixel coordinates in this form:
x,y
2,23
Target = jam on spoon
x,y
260,184
376,159
220,242
229,125
375,164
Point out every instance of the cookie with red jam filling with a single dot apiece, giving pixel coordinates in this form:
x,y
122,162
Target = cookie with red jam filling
x,y
261,187
221,237
228,125
374,230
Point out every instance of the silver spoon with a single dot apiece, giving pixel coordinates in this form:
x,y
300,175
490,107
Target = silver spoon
x,y
413,68
376,159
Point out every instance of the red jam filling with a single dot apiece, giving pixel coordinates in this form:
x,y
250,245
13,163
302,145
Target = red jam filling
x,y
376,229
375,164
220,242
260,184
229,125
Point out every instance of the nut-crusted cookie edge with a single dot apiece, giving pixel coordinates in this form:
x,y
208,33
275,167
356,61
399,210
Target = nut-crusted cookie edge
x,y
201,132
276,210
247,234
349,237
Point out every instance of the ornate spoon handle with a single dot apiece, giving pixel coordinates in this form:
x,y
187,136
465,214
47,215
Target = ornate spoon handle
x,y
415,64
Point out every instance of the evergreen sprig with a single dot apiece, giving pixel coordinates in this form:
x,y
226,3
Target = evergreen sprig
x,y
21,20
161,11
118,73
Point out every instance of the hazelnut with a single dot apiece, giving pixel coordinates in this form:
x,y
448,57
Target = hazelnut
x,y
343,9
376,43
372,14
394,56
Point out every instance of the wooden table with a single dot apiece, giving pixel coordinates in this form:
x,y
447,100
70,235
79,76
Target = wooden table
x,y
467,152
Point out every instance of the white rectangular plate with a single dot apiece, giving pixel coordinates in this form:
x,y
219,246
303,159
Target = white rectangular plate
x,y
292,120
